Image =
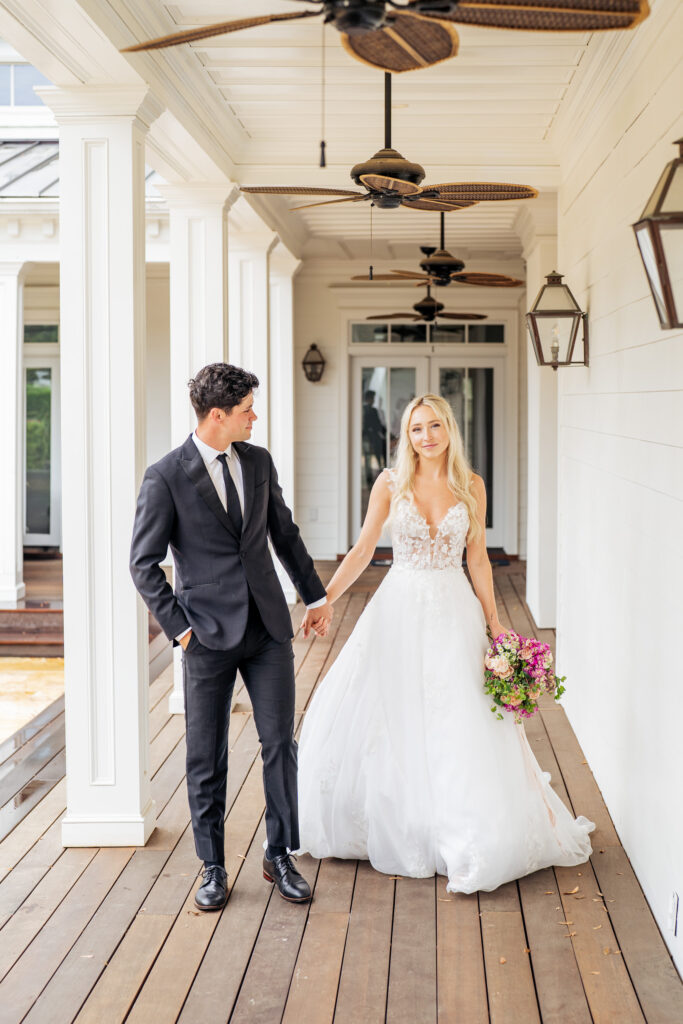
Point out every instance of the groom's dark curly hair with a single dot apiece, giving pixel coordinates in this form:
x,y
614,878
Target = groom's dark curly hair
x,y
220,386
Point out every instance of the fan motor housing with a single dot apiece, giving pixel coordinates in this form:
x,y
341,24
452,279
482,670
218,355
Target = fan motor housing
x,y
441,265
428,308
390,163
355,16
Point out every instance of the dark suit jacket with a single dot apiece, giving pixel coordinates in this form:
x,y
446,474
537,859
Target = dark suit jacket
x,y
215,567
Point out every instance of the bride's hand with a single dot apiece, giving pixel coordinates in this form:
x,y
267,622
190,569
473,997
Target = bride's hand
x,y
496,629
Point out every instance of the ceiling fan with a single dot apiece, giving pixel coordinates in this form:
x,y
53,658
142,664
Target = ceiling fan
x,y
391,181
404,36
428,309
440,269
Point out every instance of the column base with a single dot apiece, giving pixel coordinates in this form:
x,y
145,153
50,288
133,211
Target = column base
x,y
12,594
79,830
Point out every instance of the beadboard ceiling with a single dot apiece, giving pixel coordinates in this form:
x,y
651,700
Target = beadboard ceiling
x,y
484,115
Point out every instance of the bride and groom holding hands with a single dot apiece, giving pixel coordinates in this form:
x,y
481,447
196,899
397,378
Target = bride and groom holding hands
x,y
400,760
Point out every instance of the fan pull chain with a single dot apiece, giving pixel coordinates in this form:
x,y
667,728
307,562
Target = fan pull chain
x,y
323,161
372,205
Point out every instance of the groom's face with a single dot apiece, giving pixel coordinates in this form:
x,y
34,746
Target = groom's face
x,y
239,421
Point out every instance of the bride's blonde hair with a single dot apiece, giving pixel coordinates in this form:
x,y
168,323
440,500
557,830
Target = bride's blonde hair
x,y
459,469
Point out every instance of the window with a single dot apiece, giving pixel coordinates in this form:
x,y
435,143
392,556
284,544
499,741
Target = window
x,y
16,85
438,333
447,333
364,334
41,334
490,333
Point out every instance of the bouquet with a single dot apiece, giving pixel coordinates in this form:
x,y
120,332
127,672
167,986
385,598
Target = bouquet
x,y
518,670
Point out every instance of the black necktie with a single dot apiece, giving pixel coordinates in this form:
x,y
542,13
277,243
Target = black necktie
x,y
234,510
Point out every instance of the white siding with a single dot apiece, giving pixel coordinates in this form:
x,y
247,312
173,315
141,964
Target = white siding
x,y
621,466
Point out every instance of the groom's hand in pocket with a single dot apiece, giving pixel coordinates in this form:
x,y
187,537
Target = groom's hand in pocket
x,y
184,640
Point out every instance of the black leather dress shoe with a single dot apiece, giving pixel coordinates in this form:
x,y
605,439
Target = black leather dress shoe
x,y
280,870
212,894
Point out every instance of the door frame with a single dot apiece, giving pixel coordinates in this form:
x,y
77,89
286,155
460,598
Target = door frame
x,y
427,364
54,537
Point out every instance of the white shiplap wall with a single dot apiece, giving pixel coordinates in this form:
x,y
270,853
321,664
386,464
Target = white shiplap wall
x,y
621,464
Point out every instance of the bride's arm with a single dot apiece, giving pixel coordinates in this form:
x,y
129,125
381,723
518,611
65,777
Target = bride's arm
x,y
478,562
362,551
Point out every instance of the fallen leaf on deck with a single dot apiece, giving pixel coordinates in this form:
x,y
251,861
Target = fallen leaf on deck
x,y
527,950
570,935
620,872
196,913
503,960
550,892
579,897
596,926
595,972
87,956
610,901
570,892
443,899
598,893
605,951
584,762
617,952
240,856
564,922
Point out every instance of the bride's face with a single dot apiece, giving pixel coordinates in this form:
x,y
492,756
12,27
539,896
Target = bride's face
x,y
427,433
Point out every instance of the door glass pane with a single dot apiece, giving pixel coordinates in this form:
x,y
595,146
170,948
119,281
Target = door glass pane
x,y
490,333
469,392
373,429
38,453
368,334
409,332
444,333
401,391
41,334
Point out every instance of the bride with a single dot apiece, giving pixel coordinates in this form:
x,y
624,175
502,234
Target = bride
x,y
401,760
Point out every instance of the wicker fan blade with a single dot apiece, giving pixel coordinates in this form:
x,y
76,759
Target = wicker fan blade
x,y
193,35
437,205
549,15
406,43
481,191
329,202
381,182
297,190
411,275
461,316
375,277
394,316
487,280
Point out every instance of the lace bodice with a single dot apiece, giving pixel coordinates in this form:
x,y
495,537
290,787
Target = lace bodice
x,y
413,545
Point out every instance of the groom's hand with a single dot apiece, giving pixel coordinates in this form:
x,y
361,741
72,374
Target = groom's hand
x,y
318,620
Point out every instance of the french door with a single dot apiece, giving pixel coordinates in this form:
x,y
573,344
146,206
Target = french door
x,y
381,389
42,470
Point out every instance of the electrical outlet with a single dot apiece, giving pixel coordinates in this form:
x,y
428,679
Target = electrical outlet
x,y
673,913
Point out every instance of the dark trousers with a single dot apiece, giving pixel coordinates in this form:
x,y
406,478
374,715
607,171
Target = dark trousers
x,y
267,668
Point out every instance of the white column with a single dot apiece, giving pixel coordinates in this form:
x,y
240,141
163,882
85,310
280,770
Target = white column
x,y
12,588
102,160
538,230
199,311
283,268
249,291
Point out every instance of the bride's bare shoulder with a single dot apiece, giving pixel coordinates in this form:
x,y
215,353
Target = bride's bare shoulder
x,y
477,486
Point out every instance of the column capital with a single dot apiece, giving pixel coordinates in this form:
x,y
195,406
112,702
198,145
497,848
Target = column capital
x,y
283,262
83,104
200,194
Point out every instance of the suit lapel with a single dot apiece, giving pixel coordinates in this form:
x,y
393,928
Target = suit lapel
x,y
247,465
193,465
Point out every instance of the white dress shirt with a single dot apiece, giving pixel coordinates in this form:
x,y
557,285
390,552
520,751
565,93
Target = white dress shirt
x,y
215,470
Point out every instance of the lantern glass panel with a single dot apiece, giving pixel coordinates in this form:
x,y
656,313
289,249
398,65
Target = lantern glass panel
x,y
556,330
673,200
655,199
651,269
555,296
672,244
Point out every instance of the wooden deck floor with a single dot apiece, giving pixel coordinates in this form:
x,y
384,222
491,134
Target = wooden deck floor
x,y
107,935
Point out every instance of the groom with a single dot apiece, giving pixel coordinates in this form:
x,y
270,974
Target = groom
x,y
216,501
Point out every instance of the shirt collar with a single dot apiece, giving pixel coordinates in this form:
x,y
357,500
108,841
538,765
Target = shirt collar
x,y
206,451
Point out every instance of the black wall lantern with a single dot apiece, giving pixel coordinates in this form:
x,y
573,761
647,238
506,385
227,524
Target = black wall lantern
x,y
313,363
659,234
554,321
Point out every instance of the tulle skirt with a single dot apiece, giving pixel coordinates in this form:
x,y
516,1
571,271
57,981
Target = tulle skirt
x,y
401,761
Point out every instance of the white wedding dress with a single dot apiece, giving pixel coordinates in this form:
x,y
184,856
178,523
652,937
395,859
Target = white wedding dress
x,y
401,760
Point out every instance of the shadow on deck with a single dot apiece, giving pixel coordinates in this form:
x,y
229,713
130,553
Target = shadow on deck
x,y
106,935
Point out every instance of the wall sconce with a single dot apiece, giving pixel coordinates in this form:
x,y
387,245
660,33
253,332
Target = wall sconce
x,y
659,234
553,322
313,364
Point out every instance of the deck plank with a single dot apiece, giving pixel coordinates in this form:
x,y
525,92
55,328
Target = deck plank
x,y
510,983
460,972
412,971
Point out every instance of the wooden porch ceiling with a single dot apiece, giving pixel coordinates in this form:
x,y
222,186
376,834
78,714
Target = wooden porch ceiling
x,y
112,934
